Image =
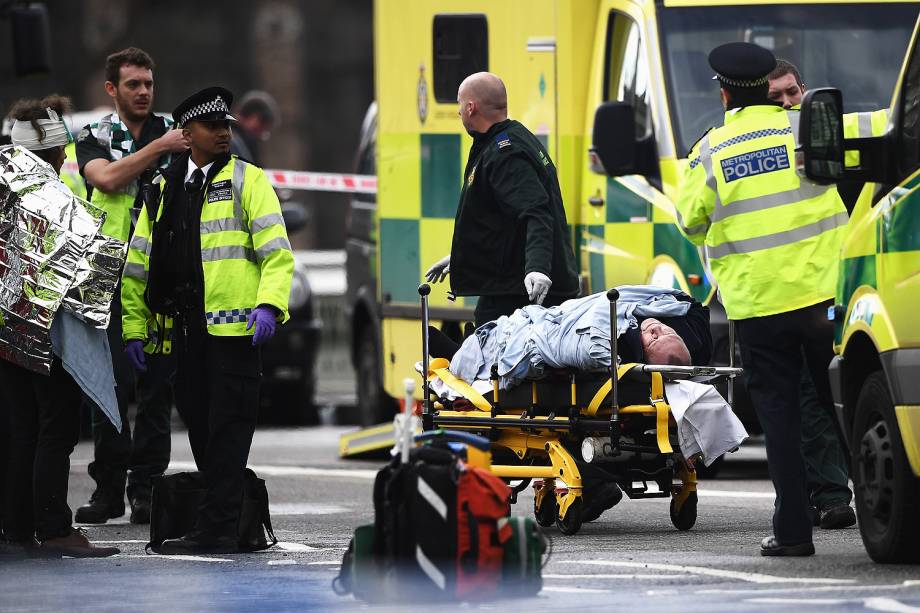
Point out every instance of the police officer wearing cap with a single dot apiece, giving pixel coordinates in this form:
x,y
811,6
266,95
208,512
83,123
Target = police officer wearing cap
x,y
773,240
216,259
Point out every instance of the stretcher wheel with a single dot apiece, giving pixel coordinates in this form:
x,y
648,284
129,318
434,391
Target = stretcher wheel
x,y
685,517
571,523
546,511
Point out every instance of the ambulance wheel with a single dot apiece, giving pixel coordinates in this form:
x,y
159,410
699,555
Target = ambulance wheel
x,y
545,514
685,517
375,406
571,523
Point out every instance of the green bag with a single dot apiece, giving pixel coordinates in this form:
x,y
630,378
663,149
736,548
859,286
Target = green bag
x,y
358,574
522,567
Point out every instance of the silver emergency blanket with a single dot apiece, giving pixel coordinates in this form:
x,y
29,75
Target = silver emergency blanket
x,y
52,256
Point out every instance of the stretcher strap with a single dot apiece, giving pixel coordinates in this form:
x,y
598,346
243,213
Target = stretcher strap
x,y
595,405
460,386
662,411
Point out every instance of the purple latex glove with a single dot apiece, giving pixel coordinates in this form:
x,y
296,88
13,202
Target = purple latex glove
x,y
135,350
263,317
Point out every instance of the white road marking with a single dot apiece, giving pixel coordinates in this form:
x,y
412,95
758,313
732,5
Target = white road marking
x,y
118,542
180,558
306,508
558,576
275,470
575,590
325,563
823,588
733,494
282,562
710,572
889,604
280,470
799,601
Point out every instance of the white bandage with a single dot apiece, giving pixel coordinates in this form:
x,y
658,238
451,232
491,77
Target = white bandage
x,y
56,133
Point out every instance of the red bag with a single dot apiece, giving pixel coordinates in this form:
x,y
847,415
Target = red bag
x,y
482,500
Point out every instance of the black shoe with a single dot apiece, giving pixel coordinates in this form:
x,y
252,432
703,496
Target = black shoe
x,y
840,515
198,542
140,510
815,516
13,548
598,499
771,547
102,506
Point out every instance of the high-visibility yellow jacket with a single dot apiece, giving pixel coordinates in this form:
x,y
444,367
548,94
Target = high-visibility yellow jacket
x,y
245,255
772,238
863,125
72,179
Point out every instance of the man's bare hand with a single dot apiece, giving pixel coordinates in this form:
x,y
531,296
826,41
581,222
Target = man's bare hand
x,y
174,141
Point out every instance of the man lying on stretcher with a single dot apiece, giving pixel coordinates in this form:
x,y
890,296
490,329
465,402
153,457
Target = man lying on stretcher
x,y
655,326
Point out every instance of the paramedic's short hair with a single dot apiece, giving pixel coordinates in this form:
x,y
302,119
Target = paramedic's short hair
x,y
132,56
784,67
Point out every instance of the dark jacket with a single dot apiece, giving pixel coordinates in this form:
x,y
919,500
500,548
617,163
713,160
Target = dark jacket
x,y
175,284
510,220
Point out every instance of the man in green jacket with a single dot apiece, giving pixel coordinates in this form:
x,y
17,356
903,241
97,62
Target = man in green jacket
x,y
511,245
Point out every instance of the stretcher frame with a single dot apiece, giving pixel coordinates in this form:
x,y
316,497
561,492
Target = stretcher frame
x,y
538,440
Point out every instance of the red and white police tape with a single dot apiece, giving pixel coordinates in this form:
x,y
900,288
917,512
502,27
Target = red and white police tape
x,y
298,179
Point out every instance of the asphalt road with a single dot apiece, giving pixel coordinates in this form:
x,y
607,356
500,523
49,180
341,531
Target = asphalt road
x,y
631,558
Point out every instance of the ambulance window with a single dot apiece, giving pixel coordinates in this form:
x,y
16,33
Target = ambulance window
x,y
626,74
461,47
909,128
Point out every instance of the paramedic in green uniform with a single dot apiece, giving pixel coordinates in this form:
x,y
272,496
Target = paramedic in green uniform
x,y
511,245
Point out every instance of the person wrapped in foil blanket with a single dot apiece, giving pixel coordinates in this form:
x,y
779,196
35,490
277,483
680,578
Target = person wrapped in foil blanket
x,y
58,274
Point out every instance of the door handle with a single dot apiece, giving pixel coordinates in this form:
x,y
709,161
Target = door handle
x,y
596,200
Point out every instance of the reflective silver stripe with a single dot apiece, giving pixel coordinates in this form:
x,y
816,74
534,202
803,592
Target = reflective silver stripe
x,y
230,252
691,231
266,221
787,237
793,117
706,161
236,184
222,225
806,191
864,121
139,243
436,576
432,498
135,271
276,244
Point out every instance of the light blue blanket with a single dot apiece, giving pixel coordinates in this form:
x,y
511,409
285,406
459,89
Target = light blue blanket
x,y
575,334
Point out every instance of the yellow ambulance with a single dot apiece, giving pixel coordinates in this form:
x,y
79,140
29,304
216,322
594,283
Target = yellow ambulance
x,y
875,377
561,59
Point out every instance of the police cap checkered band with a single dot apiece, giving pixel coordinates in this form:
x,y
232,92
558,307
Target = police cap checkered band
x,y
212,103
742,64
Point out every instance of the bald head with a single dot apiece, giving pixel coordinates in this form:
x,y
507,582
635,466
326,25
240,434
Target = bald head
x,y
483,101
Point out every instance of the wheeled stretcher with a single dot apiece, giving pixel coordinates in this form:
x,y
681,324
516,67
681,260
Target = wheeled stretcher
x,y
618,421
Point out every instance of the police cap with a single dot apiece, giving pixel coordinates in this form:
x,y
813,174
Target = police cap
x,y
742,64
210,104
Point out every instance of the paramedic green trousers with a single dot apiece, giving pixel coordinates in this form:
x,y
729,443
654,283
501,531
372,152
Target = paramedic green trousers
x,y
825,456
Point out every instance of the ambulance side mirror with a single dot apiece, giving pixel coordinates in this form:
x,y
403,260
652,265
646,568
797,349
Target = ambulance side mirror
x,y
819,154
613,149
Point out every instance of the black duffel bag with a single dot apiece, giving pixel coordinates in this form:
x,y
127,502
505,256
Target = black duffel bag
x,y
174,508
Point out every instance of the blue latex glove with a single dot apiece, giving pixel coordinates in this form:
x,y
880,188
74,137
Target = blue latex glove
x,y
135,350
263,317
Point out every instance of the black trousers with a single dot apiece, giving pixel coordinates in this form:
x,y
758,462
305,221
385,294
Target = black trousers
x,y
826,465
44,429
146,453
772,351
217,395
489,308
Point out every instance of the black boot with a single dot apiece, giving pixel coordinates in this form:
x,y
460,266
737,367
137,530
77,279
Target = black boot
x,y
103,505
140,509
